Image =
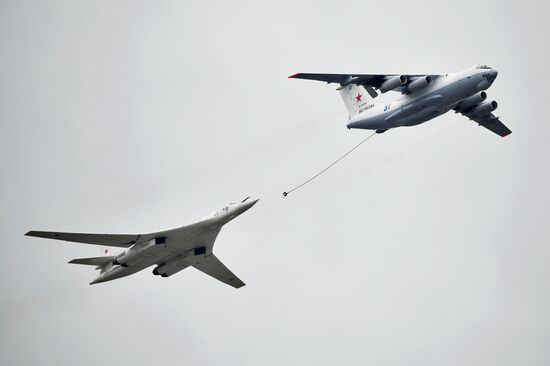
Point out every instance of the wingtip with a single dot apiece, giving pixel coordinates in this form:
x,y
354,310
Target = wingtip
x,y
509,133
30,233
294,75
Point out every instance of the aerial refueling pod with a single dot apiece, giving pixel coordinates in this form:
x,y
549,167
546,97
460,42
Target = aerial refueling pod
x,y
393,83
472,101
484,108
419,83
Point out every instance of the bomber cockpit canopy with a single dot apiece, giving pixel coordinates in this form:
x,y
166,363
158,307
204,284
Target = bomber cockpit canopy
x,y
483,67
226,208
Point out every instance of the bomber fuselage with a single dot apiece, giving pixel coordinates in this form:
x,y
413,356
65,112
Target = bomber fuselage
x,y
172,244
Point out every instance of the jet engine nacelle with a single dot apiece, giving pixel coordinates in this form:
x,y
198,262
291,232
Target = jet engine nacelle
x,y
160,271
419,83
127,258
473,100
134,255
169,268
484,108
392,83
178,263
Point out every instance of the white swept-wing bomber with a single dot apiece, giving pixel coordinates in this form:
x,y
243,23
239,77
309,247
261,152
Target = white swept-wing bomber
x,y
423,97
170,250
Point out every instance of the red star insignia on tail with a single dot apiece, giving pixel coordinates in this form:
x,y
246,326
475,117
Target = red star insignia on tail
x,y
358,97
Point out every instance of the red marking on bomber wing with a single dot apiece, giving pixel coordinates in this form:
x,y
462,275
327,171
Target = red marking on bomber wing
x,y
358,97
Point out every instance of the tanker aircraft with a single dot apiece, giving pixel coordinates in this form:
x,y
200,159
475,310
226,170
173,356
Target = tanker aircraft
x,y
170,250
423,97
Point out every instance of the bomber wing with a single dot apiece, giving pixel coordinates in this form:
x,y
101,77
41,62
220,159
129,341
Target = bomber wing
x,y
202,258
368,80
112,240
117,240
213,267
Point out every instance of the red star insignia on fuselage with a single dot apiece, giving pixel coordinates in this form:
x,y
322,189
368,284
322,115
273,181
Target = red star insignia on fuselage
x,y
358,97
106,250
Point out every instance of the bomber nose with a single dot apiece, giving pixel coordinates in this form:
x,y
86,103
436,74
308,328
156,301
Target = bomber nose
x,y
248,204
494,73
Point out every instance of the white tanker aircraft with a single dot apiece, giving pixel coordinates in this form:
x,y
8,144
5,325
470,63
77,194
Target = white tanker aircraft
x,y
423,97
171,250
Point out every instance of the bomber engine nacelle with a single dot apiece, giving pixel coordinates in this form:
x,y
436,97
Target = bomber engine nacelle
x,y
484,108
472,101
127,258
169,268
419,83
161,271
178,263
133,255
393,83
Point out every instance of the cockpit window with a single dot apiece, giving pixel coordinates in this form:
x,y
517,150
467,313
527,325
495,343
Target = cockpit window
x,y
226,208
483,67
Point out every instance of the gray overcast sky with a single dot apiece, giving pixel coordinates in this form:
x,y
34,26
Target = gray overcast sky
x,y
428,246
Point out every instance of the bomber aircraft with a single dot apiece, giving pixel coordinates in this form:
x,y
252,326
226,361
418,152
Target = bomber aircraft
x,y
423,98
171,250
